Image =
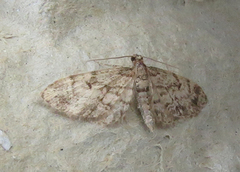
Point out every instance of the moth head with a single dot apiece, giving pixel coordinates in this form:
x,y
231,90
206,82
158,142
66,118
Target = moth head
x,y
136,57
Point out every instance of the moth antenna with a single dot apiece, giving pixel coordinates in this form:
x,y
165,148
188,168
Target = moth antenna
x,y
160,62
108,58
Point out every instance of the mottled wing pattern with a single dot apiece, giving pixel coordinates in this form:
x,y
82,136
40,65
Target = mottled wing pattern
x,y
101,96
174,97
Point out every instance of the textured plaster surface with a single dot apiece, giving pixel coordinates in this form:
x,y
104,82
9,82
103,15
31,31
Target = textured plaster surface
x,y
42,41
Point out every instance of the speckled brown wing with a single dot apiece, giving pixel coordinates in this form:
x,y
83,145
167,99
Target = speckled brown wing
x,y
101,96
174,97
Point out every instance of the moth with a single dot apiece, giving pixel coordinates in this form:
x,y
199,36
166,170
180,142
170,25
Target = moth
x,y
104,96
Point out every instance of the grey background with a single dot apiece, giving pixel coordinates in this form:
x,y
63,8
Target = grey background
x,y
42,41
